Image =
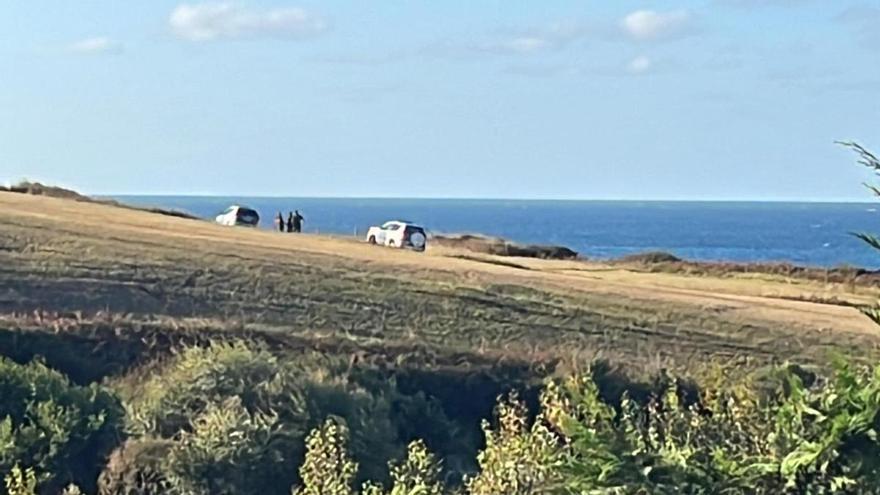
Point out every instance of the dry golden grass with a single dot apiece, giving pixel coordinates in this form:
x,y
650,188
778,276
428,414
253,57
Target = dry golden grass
x,y
67,257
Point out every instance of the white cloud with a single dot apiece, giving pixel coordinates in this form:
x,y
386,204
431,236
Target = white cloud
x,y
99,44
540,70
532,40
649,25
523,45
639,65
527,44
212,21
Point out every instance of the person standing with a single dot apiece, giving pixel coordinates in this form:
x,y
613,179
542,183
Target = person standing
x,y
289,222
279,222
298,222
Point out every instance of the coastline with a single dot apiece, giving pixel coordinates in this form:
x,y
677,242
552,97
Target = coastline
x,y
647,260
96,257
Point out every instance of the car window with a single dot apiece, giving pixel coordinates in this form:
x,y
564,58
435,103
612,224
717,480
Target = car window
x,y
228,210
392,227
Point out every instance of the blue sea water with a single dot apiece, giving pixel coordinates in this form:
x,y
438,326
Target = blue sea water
x,y
816,234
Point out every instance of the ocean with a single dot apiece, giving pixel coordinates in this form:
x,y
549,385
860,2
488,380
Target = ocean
x,y
813,234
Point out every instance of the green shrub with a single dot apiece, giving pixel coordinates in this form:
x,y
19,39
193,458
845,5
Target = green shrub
x,y
168,401
419,417
56,428
791,439
418,474
72,489
741,438
372,435
519,459
136,468
229,450
277,401
21,482
328,468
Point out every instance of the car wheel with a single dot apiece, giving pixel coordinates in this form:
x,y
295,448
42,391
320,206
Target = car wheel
x,y
391,244
418,241
372,240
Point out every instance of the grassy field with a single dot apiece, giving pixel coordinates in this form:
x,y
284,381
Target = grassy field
x,y
69,261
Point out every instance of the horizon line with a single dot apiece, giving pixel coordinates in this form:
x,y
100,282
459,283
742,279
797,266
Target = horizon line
x,y
496,198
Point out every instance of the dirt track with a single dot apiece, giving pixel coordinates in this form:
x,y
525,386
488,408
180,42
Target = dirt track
x,y
62,255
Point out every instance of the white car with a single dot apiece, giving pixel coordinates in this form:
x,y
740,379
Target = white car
x,y
238,215
398,234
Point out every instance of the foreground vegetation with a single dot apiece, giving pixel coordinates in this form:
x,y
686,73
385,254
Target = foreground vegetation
x,y
233,418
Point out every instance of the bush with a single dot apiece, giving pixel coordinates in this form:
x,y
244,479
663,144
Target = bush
x,y
420,417
737,438
366,414
229,451
518,459
767,434
328,468
167,402
237,417
136,468
790,439
230,418
60,430
418,474
21,482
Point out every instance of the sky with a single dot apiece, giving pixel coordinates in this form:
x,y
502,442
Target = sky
x,y
588,99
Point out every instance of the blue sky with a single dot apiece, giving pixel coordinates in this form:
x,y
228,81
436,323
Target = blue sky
x,y
712,99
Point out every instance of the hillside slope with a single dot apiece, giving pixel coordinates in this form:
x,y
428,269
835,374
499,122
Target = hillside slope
x,y
63,256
